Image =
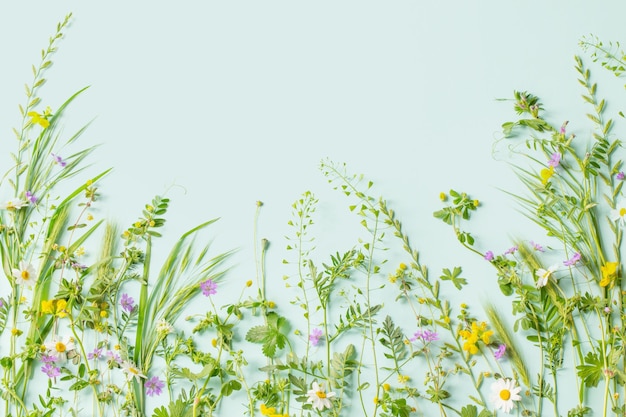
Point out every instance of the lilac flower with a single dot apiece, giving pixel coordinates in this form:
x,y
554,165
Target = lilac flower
x,y
620,176
31,197
425,335
208,287
58,160
96,354
511,250
573,260
536,246
315,336
154,386
499,353
489,256
563,126
555,159
607,310
127,302
79,267
114,357
51,370
48,359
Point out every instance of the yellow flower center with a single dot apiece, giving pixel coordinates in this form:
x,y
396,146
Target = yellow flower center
x,y
505,394
136,372
622,211
25,275
60,347
321,394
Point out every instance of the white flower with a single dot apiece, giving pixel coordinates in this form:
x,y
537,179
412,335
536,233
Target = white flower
x,y
619,213
503,393
59,348
164,328
543,275
25,274
319,397
132,371
13,205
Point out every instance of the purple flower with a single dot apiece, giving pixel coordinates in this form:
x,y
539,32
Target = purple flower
x,y
97,353
620,176
79,267
499,353
425,335
154,386
51,370
573,260
489,256
607,310
114,357
555,159
563,126
511,250
31,197
208,287
315,336
127,302
48,359
58,160
536,246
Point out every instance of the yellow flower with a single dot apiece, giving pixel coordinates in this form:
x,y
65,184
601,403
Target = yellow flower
x,y
47,306
477,332
271,304
214,342
443,196
403,379
476,203
36,118
609,272
104,314
16,332
89,216
61,308
402,266
546,174
270,411
249,283
386,387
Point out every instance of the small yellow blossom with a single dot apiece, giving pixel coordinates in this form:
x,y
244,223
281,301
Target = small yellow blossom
x,y
463,306
16,331
421,300
89,216
80,251
403,379
402,266
214,342
152,223
137,224
386,387
271,304
117,347
546,174
47,306
89,182
609,273
36,118
104,314
443,196
446,320
476,203
477,332
62,248
376,400
249,283
393,278
149,208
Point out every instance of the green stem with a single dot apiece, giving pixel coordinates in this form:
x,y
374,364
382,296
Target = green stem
x,y
141,325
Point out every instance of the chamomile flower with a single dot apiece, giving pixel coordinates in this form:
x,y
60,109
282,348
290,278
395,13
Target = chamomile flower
x,y
503,393
619,213
543,275
25,274
58,348
132,371
319,397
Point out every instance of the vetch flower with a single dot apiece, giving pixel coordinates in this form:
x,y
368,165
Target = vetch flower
x,y
511,250
58,348
154,386
51,370
32,198
315,336
425,335
59,160
573,260
536,246
555,159
543,275
132,371
25,274
499,353
503,393
208,287
619,213
319,397
620,176
489,256
127,302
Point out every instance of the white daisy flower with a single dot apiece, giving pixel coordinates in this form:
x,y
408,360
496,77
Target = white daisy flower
x,y
619,213
319,397
132,371
13,205
58,348
25,274
543,275
503,393
164,328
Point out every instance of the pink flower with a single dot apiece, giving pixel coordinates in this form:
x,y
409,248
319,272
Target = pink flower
x,y
154,386
127,302
58,160
555,159
208,287
536,246
489,256
315,336
425,335
511,250
620,176
573,260
50,370
499,353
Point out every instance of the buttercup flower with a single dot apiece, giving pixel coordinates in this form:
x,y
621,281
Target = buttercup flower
x,y
315,336
59,348
499,353
619,213
609,272
543,275
25,274
573,260
503,393
132,371
477,332
208,287
154,386
319,397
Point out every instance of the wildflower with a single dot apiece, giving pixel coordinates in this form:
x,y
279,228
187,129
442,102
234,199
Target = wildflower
x,y
40,119
511,250
47,306
403,379
13,205
25,274
315,336
319,397
477,332
476,203
60,308
499,353
563,126
89,216
51,370
425,335
127,303
154,386
59,348
607,310
16,332
48,359
386,387
96,354
58,160
620,176
271,411
555,159
132,371
543,275
503,393
609,271
208,287
489,256
249,283
114,357
536,246
546,174
31,197
619,213
443,196
164,328
573,260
